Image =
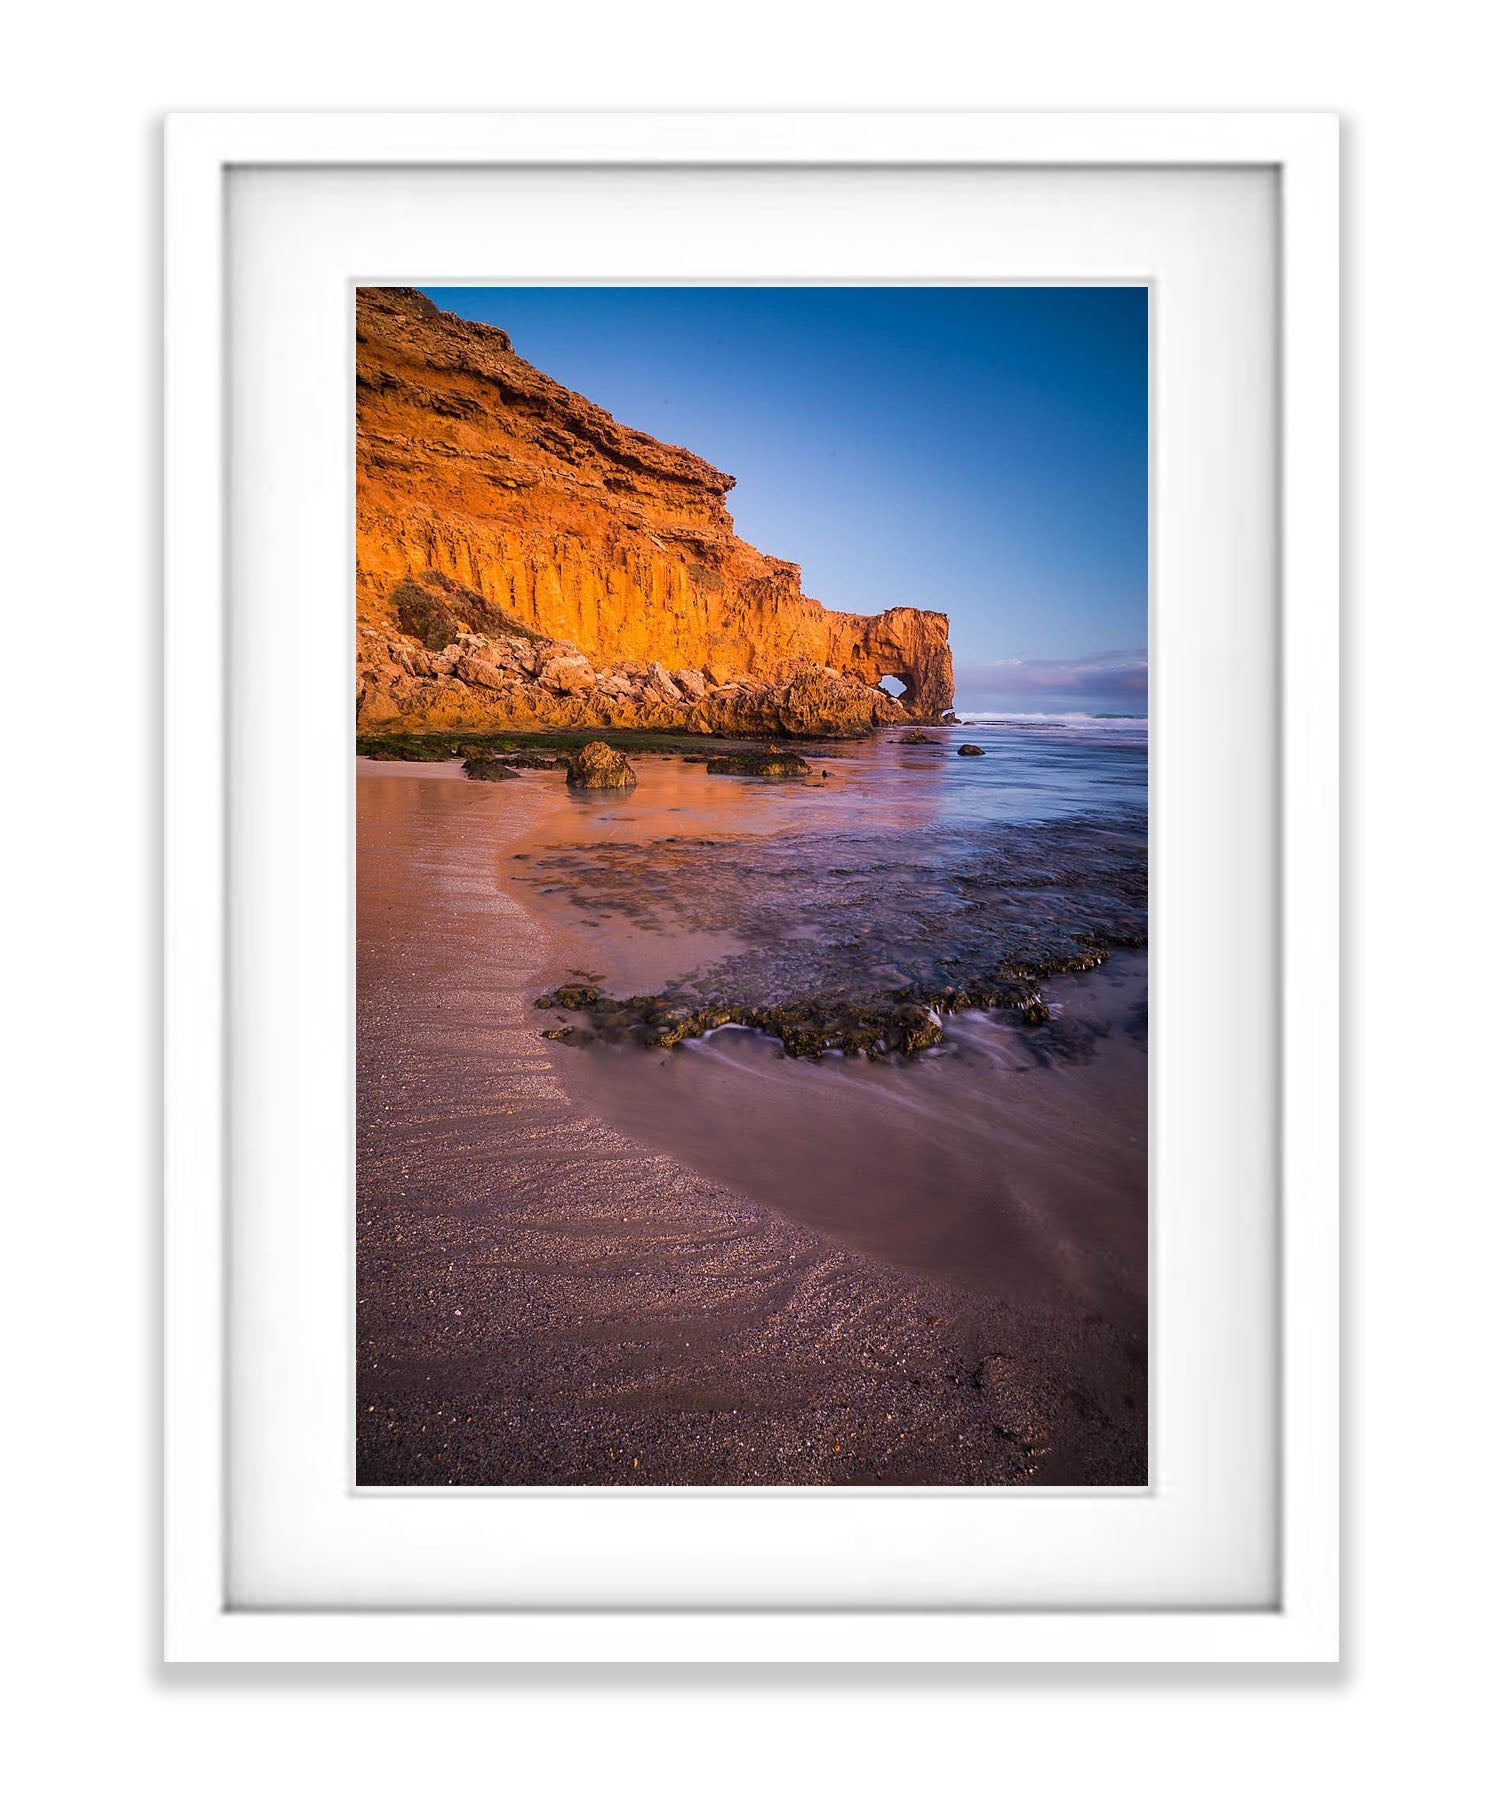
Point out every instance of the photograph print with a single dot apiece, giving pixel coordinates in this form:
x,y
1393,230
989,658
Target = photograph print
x,y
751,695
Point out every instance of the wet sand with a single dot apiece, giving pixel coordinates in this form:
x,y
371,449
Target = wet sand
x,y
973,1163
545,1296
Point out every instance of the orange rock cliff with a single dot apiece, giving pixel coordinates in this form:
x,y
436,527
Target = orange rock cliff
x,y
524,561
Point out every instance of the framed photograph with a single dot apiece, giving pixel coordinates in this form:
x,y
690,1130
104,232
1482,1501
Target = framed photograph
x,y
752,888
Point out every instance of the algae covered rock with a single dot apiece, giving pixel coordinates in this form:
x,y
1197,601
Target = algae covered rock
x,y
598,765
774,764
402,749
572,996
527,759
489,768
911,1028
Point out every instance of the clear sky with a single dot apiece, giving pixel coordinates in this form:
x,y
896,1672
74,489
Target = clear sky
x,y
981,451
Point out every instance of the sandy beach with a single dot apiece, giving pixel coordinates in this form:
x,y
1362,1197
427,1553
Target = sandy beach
x,y
568,1272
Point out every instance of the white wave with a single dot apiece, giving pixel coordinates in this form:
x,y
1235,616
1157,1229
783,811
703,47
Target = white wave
x,y
1076,721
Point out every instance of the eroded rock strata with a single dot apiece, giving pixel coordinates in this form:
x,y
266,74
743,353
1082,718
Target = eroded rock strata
x,y
525,561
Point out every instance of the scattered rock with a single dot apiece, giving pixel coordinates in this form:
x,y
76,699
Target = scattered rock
x,y
481,684
902,1022
599,765
488,768
804,1028
916,737
970,750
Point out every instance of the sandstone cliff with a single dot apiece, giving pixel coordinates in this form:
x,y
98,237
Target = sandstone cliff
x,y
524,560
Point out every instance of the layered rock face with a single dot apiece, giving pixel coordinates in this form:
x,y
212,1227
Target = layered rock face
x,y
523,560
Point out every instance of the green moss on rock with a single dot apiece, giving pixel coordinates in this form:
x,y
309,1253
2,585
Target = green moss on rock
x,y
772,764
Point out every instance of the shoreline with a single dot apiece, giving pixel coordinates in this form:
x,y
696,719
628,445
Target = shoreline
x,y
450,745
543,1299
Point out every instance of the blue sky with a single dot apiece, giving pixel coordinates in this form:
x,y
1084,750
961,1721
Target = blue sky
x,y
981,451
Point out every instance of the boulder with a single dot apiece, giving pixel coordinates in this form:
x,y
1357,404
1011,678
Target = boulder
x,y
375,707
597,765
513,653
482,674
970,750
568,674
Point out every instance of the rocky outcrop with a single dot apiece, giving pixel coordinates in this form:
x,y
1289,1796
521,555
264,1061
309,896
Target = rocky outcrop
x,y
523,560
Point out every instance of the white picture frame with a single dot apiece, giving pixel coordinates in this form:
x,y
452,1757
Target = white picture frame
x,y
202,1621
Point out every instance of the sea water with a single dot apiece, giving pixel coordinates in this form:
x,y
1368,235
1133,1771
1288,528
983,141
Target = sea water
x,y
1010,1158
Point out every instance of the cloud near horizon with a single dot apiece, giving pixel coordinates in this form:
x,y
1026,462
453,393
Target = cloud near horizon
x,y
1109,681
